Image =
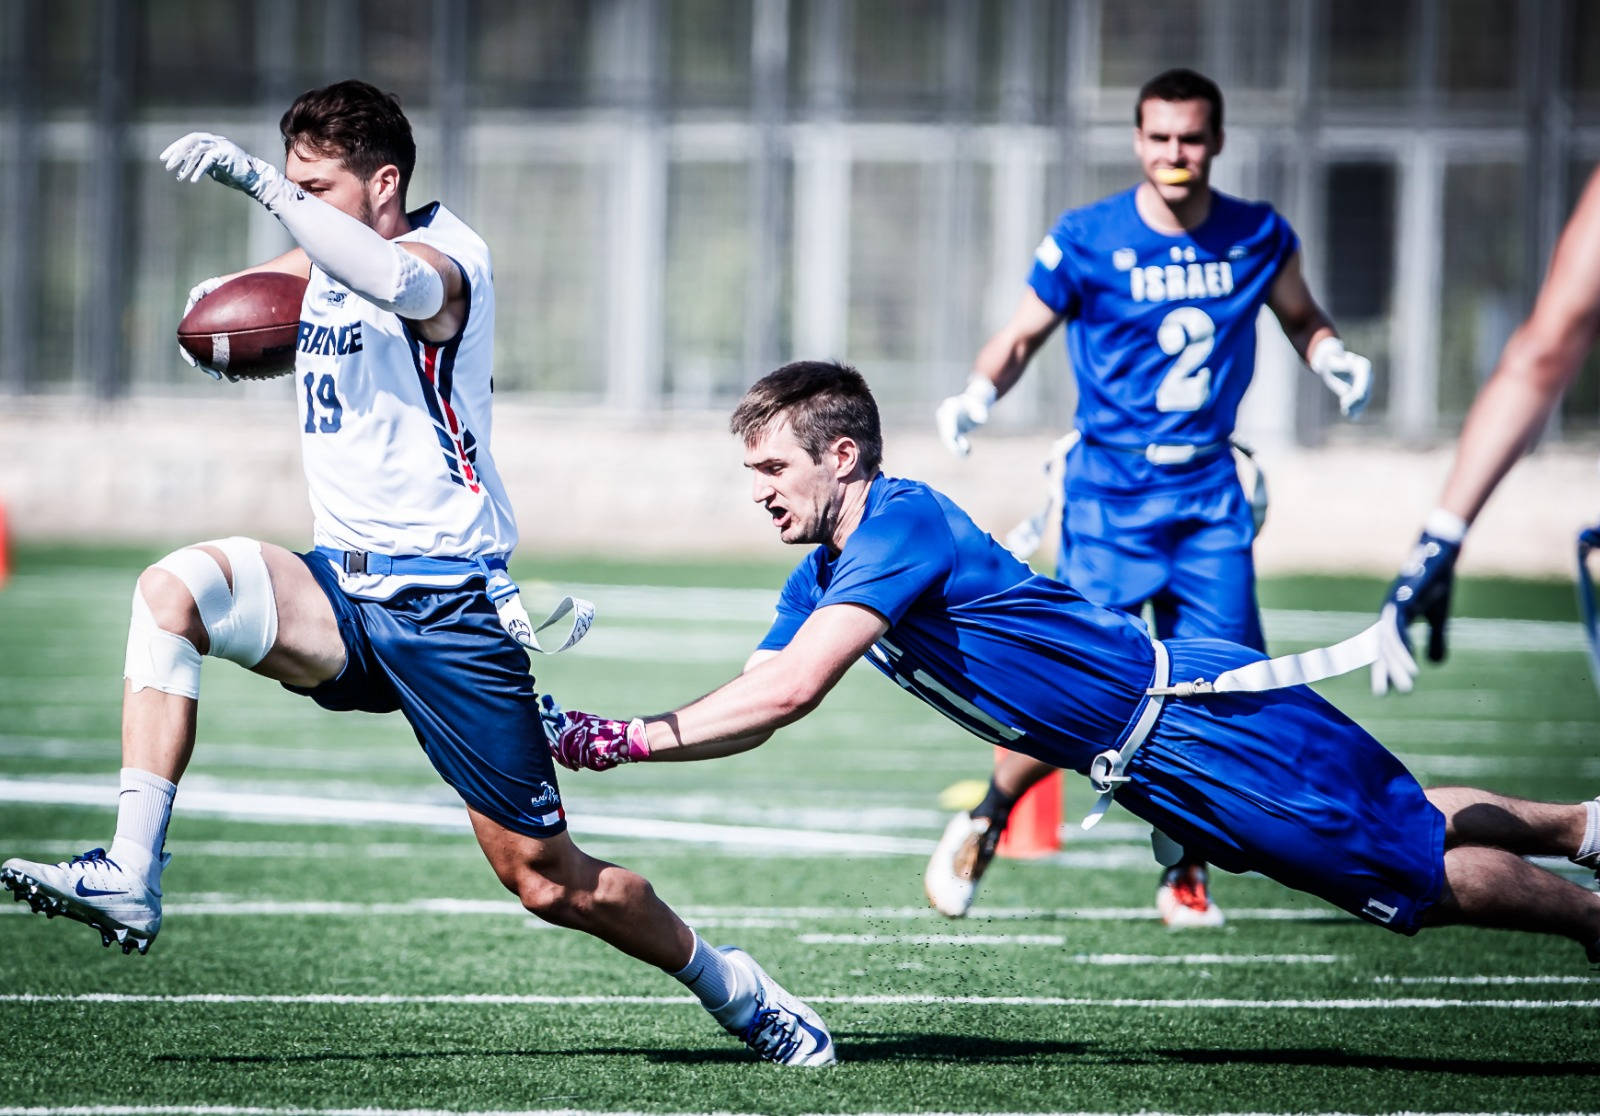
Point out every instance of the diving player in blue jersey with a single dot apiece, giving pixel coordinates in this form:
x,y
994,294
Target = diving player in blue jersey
x,y
1160,287
1280,783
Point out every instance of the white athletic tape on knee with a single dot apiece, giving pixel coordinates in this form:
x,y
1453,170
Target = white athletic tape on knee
x,y
158,659
241,623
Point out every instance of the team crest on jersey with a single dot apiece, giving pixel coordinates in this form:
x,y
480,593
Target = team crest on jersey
x,y
1048,253
1238,252
1124,258
335,298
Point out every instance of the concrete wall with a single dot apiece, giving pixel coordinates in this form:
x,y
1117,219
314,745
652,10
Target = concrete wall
x,y
177,470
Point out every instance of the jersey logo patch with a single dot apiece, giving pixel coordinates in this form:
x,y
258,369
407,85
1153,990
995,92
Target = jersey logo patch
x,y
1124,258
1048,253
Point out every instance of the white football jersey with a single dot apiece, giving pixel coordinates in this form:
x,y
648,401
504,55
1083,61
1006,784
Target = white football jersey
x,y
395,429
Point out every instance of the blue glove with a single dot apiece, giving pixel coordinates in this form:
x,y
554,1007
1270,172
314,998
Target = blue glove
x,y
1422,591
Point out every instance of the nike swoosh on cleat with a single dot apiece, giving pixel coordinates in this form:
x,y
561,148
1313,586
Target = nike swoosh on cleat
x,y
823,1039
90,892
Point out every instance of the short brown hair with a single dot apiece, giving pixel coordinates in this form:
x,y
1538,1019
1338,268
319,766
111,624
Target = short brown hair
x,y
822,400
358,123
1180,85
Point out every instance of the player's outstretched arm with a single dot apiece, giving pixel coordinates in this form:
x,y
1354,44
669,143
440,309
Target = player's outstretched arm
x,y
740,715
1535,368
1309,329
412,281
998,366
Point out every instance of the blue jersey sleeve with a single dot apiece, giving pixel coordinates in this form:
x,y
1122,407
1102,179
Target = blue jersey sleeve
x,y
893,558
795,604
1052,277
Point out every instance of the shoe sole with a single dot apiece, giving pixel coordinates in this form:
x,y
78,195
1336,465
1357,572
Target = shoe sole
x,y
967,864
45,900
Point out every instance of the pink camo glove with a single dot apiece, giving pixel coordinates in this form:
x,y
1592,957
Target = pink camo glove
x,y
598,743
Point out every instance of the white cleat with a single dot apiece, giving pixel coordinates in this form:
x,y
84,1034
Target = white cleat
x,y
779,1027
91,888
1184,899
957,864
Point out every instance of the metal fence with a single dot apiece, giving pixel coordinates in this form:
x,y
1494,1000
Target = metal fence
x,y
681,193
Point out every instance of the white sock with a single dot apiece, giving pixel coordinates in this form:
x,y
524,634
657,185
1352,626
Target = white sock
x,y
1588,853
710,976
143,810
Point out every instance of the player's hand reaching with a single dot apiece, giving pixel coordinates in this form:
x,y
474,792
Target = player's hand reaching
x,y
1421,591
961,414
201,153
581,741
1348,375
196,293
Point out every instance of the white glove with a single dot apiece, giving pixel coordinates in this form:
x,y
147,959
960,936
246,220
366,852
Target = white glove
x,y
203,153
1394,665
1348,375
196,293
963,413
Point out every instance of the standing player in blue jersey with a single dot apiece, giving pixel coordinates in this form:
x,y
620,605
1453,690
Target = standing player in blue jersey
x,y
1160,286
1280,783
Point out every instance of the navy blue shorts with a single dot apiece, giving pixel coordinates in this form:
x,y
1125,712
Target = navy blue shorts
x,y
1186,551
1284,784
441,657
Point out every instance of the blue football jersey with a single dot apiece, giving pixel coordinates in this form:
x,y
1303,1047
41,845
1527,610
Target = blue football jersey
x,y
1014,657
1161,328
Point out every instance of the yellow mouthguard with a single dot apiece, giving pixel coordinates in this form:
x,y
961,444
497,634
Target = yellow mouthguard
x,y
1174,176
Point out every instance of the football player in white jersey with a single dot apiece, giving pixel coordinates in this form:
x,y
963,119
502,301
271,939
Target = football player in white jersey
x,y
1538,364
392,609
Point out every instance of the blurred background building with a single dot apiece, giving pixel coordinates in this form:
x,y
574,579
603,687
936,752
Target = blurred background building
x,y
681,194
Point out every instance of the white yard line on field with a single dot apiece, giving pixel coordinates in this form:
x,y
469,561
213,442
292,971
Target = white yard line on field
x,y
909,1000
780,918
1484,979
252,1110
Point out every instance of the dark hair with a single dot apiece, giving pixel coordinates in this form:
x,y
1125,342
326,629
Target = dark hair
x,y
822,400
359,123
1180,85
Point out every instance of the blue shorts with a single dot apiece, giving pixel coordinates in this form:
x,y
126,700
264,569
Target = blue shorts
x,y
1284,784
441,657
1185,550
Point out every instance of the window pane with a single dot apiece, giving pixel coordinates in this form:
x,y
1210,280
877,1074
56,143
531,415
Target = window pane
x,y
545,229
1361,264
179,54
1258,42
708,53
1480,45
708,274
897,56
68,69
1138,41
530,54
1482,300
395,48
1369,45
62,278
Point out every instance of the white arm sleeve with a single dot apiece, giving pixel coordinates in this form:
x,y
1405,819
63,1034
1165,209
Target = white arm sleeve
x,y
377,269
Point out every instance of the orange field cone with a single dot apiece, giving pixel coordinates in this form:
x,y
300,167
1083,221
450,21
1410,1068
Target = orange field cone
x,y
1035,826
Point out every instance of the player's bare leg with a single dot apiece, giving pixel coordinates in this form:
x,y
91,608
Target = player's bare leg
x,y
563,885
281,626
1487,881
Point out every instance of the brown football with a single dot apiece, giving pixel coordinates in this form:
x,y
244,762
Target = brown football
x,y
246,328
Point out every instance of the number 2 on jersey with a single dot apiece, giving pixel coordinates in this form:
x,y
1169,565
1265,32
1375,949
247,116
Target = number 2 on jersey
x,y
1188,334
327,395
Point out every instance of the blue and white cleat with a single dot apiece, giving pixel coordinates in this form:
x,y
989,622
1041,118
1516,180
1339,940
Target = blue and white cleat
x,y
91,888
779,1027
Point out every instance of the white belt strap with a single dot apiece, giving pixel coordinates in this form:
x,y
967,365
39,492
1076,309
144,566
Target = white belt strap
x,y
1106,771
1287,670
